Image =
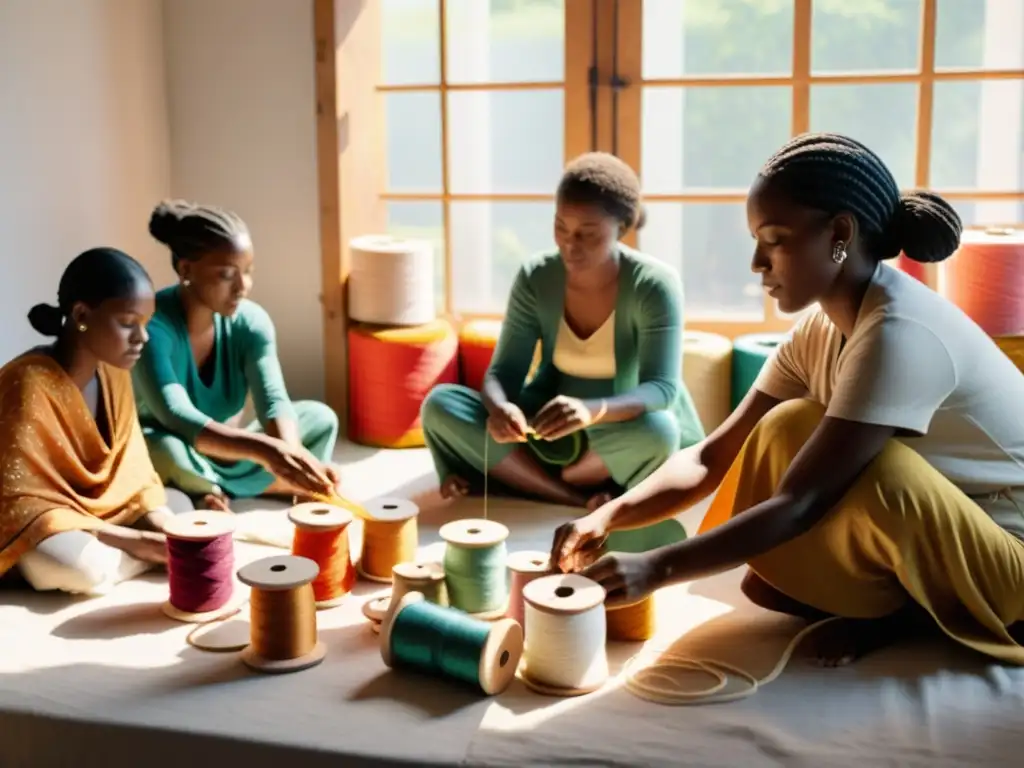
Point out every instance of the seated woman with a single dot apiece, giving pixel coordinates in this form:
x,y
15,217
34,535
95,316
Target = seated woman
x,y
210,348
77,476
607,405
876,470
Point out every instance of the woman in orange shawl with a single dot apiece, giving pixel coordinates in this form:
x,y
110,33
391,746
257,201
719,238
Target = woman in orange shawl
x,y
75,474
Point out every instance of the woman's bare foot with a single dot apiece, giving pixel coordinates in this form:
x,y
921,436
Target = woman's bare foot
x,y
844,641
216,503
454,487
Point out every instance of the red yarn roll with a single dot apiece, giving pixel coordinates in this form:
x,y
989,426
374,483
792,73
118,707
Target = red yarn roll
x,y
477,340
985,278
390,373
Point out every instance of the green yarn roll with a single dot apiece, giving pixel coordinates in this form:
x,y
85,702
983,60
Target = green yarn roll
x,y
476,577
749,354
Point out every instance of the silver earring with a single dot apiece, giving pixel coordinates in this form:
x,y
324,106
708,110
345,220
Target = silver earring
x,y
839,253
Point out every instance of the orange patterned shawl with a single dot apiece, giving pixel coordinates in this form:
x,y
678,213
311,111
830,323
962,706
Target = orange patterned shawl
x,y
57,472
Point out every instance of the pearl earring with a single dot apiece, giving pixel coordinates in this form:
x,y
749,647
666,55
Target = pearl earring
x,y
839,253
82,328
186,282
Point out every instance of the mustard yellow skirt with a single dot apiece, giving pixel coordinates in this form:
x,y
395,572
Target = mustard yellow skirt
x,y
902,532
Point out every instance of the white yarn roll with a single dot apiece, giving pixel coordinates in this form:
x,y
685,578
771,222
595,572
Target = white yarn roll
x,y
565,647
391,281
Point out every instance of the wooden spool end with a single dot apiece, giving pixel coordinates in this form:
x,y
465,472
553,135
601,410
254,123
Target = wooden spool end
x,y
315,516
473,533
202,525
529,561
386,510
279,574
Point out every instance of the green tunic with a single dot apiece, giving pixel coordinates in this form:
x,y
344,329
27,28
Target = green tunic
x,y
176,401
648,364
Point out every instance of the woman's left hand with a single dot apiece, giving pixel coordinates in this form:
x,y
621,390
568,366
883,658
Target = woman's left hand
x,y
626,577
560,417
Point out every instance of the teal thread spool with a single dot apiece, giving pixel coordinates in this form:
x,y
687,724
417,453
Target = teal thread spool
x,y
749,354
447,643
474,566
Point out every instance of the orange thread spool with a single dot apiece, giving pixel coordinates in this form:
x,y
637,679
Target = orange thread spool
x,y
985,278
477,341
321,535
391,371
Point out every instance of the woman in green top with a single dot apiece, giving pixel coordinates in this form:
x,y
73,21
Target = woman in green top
x,y
607,405
209,348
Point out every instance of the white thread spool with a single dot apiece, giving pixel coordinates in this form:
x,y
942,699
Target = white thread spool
x,y
565,635
392,281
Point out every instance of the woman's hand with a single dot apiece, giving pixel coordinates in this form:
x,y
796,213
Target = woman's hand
x,y
578,543
562,416
147,546
507,424
297,467
626,577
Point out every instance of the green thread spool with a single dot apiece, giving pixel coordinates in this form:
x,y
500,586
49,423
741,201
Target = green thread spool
x,y
749,354
558,453
474,566
446,643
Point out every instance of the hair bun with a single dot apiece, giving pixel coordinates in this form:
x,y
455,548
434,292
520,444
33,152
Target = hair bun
x,y
166,217
46,319
926,228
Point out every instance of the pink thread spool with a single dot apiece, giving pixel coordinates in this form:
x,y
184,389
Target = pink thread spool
x,y
523,568
201,567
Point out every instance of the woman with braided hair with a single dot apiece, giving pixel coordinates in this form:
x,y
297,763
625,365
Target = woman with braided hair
x,y
607,404
875,472
210,348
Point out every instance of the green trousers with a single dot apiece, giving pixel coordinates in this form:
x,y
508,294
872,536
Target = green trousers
x,y
454,427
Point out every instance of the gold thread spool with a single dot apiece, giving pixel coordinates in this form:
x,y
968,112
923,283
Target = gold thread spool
x,y
390,538
632,623
283,633
523,568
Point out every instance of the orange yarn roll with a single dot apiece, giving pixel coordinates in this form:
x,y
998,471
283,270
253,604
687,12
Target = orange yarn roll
x,y
477,340
985,278
329,550
390,372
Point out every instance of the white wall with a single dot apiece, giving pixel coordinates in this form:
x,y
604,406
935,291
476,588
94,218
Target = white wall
x,y
243,136
84,148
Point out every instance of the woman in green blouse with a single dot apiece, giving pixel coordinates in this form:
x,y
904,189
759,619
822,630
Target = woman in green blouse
x,y
209,348
607,405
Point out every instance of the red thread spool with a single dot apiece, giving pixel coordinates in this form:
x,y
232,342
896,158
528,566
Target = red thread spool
x,y
321,535
391,371
477,341
985,278
200,567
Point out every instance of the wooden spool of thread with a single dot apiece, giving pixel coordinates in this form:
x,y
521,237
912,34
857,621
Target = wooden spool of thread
x,y
523,567
201,567
321,534
283,632
632,623
425,578
390,537
475,559
447,643
565,636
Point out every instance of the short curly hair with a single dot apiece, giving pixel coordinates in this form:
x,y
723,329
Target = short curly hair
x,y
605,181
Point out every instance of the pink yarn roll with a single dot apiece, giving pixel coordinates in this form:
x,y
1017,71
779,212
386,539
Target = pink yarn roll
x,y
523,568
985,278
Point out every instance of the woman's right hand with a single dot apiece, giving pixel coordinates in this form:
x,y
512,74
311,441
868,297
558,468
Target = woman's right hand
x,y
578,543
297,467
507,424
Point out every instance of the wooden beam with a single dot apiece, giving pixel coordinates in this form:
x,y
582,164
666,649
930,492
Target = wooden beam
x,y
925,108
579,51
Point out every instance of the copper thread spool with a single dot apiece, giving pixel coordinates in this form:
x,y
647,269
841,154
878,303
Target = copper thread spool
x,y
283,632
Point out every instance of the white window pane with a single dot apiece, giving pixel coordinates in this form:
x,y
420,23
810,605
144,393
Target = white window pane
x,y
978,135
410,42
683,38
413,127
884,117
979,34
500,41
990,213
505,141
865,36
489,241
710,137
711,245
421,221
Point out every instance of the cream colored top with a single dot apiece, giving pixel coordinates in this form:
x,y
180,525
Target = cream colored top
x,y
915,362
590,358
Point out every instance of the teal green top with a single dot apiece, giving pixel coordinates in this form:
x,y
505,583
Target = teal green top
x,y
170,393
648,338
